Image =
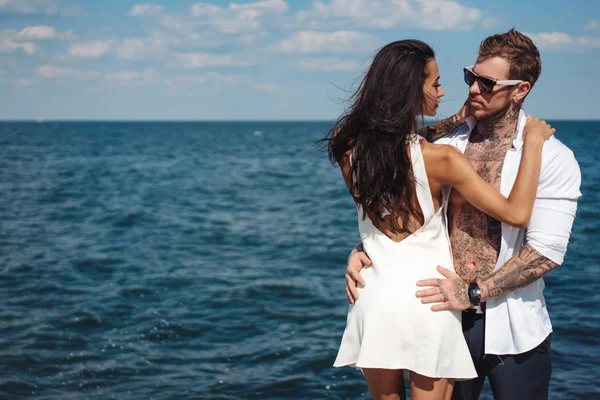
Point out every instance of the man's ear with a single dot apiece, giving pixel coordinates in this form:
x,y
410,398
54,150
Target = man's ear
x,y
521,92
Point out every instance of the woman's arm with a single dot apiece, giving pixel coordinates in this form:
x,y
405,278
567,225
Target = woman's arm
x,y
456,170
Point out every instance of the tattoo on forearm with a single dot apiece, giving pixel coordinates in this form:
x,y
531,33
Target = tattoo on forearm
x,y
439,129
524,268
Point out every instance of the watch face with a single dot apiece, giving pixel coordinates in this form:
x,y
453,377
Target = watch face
x,y
474,294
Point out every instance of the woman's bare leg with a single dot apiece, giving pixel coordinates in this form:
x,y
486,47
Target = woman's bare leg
x,y
425,388
385,384
449,389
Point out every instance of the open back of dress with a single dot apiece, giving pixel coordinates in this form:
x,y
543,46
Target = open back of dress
x,y
388,327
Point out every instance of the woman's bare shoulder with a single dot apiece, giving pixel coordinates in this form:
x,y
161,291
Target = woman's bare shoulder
x,y
438,151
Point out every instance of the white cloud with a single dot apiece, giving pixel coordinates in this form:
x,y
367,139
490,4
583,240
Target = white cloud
x,y
90,49
12,40
181,31
8,46
209,77
329,64
206,60
373,13
66,35
238,18
159,45
385,14
593,25
140,10
489,22
51,71
247,38
37,33
144,77
146,74
440,15
327,42
132,49
563,41
47,7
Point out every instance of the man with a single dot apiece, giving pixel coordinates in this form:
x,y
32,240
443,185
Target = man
x,y
499,268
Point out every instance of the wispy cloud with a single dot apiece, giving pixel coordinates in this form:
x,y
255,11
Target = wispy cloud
x,y
206,60
134,49
145,74
12,40
39,7
327,42
92,49
329,64
48,7
8,46
563,41
238,18
140,10
145,77
52,71
385,14
37,33
441,15
206,78
593,25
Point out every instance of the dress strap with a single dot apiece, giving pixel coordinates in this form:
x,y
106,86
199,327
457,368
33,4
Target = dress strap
x,y
421,180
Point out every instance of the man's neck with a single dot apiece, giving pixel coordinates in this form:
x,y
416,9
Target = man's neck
x,y
501,128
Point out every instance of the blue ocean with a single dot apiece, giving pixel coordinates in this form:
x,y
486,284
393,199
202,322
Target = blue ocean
x,y
206,261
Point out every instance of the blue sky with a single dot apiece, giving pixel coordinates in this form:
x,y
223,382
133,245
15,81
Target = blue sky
x,y
268,59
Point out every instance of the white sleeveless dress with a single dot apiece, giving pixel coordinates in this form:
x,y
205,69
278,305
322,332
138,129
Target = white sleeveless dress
x,y
388,327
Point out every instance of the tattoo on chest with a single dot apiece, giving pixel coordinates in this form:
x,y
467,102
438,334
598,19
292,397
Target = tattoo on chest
x,y
475,237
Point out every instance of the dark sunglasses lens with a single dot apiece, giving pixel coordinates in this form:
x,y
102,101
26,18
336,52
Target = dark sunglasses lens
x,y
486,85
469,77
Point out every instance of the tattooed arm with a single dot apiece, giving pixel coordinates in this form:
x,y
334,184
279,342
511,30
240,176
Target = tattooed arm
x,y
548,234
435,131
441,128
546,240
524,268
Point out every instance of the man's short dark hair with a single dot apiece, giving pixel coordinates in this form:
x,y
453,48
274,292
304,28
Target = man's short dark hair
x,y
518,50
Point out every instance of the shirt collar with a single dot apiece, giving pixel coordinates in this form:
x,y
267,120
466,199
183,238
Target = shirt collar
x,y
518,142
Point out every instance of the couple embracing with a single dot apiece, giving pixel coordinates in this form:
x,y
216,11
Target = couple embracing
x,y
459,221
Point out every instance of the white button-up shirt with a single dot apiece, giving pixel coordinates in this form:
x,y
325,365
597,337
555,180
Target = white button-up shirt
x,y
518,321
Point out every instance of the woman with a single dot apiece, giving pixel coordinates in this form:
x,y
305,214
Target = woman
x,y
401,186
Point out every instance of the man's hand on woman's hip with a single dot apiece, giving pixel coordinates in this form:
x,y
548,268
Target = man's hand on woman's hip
x,y
356,261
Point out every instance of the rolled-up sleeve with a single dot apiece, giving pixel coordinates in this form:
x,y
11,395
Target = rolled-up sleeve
x,y
555,206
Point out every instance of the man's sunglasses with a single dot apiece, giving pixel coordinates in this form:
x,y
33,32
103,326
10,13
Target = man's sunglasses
x,y
486,85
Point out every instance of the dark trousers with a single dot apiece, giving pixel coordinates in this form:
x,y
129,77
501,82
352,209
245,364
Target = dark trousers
x,y
512,377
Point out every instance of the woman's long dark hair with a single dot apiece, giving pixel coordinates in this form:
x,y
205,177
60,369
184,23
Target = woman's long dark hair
x,y
375,130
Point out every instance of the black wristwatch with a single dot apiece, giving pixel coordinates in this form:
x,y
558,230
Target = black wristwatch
x,y
474,294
